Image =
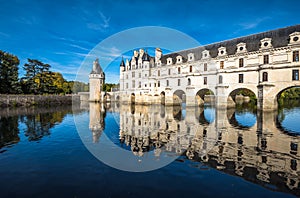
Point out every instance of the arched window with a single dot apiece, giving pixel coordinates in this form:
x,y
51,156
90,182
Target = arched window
x,y
191,68
265,76
189,81
178,70
220,79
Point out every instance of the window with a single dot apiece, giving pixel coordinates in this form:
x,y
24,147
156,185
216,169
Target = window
x,y
126,76
205,66
169,71
265,76
158,84
295,56
266,59
221,64
140,75
294,146
178,82
189,81
191,68
126,85
140,84
178,70
167,83
241,78
158,73
295,74
133,74
220,79
241,62
133,84
205,80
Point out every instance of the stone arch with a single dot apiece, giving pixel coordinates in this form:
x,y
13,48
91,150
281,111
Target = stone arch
x,y
178,113
234,119
107,97
179,97
202,116
240,96
277,96
205,95
272,93
162,98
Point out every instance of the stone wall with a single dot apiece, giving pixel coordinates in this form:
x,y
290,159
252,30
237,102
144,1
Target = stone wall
x,y
36,100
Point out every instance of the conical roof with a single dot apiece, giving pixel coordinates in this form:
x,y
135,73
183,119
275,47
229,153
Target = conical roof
x,y
96,67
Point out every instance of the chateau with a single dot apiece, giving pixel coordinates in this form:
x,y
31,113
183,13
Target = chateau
x,y
265,63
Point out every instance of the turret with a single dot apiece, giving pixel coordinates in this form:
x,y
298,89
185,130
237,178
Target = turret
x,y
122,66
97,79
158,54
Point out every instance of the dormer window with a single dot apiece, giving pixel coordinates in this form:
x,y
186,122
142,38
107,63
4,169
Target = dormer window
x,y
265,43
222,51
205,54
178,59
190,56
169,61
241,47
295,38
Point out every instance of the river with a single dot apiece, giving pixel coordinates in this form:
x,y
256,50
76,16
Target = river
x,y
112,150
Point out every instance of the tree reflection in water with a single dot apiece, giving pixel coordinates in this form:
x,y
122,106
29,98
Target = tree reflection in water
x,y
9,131
38,122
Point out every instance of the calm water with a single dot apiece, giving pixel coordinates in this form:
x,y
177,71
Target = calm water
x,y
220,153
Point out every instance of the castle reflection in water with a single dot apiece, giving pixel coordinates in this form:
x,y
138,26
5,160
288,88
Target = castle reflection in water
x,y
258,150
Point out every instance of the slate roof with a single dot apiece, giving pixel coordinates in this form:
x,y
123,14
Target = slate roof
x,y
280,38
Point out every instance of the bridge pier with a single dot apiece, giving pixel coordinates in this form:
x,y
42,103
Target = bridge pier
x,y
265,100
190,96
221,97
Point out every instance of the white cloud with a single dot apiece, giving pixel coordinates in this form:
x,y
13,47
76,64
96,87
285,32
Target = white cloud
x,y
4,34
29,20
253,24
79,47
103,25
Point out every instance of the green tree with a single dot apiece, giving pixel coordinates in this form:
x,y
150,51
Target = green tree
x,y
79,87
38,78
9,71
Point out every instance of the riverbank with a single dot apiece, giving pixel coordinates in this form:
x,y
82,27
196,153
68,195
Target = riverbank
x,y
36,100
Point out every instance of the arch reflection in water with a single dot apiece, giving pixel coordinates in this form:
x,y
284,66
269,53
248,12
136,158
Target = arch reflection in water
x,y
261,152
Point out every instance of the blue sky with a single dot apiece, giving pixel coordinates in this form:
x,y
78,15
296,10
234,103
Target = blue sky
x,y
62,33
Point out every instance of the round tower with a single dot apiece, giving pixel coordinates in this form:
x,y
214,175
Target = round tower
x,y
96,79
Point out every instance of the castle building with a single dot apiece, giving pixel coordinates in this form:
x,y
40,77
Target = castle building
x,y
265,64
96,81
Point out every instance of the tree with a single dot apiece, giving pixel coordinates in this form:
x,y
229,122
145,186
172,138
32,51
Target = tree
x,y
38,78
9,71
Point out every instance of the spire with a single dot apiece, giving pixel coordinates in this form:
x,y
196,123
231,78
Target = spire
x,y
146,56
96,67
122,63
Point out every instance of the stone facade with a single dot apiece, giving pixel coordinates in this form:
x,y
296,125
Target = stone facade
x,y
265,63
96,80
